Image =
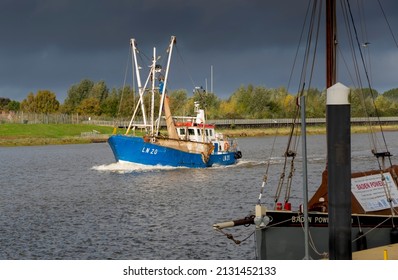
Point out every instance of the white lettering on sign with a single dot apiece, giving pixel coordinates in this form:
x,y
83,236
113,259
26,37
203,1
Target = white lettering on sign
x,y
316,219
370,191
322,220
300,219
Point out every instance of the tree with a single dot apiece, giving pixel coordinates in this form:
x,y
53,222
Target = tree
x,y
127,102
110,105
208,101
89,106
362,104
44,101
391,94
385,107
178,101
316,103
99,91
29,104
289,105
4,102
76,94
228,109
13,106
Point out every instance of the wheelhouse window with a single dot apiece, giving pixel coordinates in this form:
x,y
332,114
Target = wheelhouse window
x,y
191,131
182,131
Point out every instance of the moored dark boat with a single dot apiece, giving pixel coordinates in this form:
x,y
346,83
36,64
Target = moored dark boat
x,y
349,211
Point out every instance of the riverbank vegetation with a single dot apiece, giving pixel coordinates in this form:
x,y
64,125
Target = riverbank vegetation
x,y
89,100
59,134
95,99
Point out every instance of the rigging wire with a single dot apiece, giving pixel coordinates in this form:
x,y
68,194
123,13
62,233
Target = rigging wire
x,y
308,46
358,81
315,47
298,45
185,68
388,24
146,60
293,140
292,144
368,81
125,81
386,153
265,178
201,93
350,33
365,41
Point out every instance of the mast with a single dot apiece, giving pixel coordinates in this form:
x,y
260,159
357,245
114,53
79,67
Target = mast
x,y
169,121
330,43
141,90
338,149
153,70
211,79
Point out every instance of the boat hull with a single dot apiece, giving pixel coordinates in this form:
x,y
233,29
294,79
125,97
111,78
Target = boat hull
x,y
135,149
283,238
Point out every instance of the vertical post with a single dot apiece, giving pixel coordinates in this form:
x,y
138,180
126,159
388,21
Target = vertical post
x,y
339,172
305,179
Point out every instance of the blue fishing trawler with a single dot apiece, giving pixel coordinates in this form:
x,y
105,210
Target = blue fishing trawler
x,y
190,141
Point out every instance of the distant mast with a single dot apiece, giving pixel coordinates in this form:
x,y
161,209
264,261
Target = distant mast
x,y
211,79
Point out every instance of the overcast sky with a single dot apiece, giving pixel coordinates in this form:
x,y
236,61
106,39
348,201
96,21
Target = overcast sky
x,y
53,44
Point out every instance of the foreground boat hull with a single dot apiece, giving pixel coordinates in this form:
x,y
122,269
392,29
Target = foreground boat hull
x,y
283,237
135,149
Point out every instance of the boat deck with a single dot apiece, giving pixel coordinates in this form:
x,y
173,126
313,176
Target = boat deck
x,y
388,252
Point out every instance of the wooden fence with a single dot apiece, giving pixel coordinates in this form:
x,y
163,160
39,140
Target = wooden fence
x,y
227,123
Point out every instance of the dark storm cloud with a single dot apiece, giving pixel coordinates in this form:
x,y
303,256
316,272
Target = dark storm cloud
x,y
49,44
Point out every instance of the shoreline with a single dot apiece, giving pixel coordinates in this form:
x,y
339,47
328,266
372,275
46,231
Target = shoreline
x,y
40,141
28,140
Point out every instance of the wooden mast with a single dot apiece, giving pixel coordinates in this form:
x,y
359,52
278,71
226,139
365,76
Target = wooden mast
x,y
330,43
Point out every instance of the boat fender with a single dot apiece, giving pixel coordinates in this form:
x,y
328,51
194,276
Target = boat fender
x,y
238,155
362,243
226,146
394,235
287,206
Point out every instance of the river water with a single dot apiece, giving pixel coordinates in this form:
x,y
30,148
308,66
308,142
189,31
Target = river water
x,y
75,202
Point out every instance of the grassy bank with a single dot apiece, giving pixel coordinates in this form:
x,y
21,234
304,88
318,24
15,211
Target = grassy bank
x,y
57,134
51,134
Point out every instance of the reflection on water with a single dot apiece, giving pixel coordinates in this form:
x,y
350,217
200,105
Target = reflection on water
x,y
74,202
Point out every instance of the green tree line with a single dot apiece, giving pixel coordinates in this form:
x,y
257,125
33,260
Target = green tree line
x,y
91,98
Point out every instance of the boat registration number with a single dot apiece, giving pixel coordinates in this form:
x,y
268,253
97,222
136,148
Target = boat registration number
x,y
150,151
226,158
